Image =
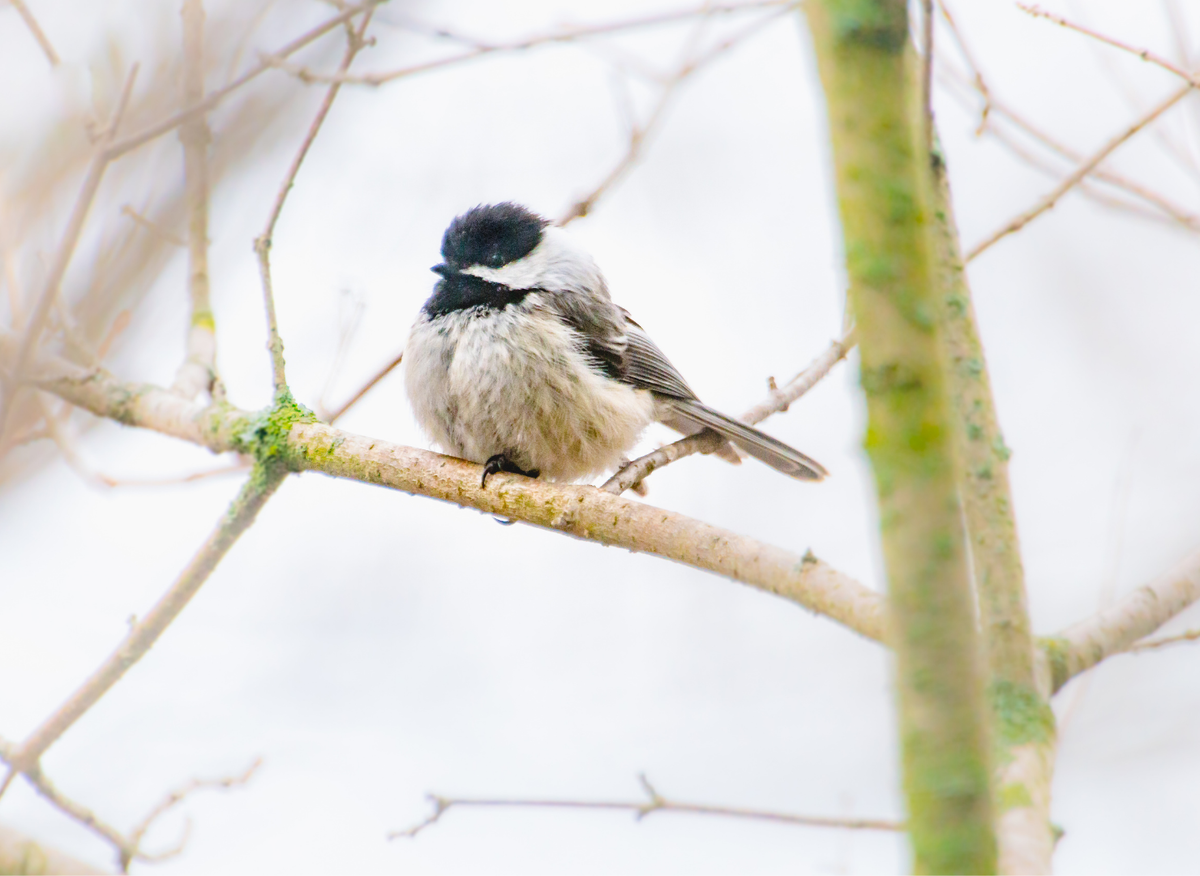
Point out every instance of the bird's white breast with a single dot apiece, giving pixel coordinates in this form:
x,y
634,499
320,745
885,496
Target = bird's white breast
x,y
514,381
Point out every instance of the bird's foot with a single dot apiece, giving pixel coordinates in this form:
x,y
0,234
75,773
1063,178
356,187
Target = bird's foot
x,y
500,462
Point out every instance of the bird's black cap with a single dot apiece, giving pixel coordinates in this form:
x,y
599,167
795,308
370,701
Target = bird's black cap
x,y
491,235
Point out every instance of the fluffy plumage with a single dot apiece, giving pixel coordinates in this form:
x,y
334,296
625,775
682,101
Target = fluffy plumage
x,y
521,353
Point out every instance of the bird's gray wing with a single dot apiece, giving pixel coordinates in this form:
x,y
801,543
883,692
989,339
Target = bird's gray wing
x,y
646,367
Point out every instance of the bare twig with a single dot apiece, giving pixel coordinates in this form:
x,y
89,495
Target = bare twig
x,y
355,42
198,372
261,486
1080,647
364,389
128,848
174,798
157,129
1080,172
36,30
1152,644
655,802
631,474
480,48
66,247
1144,54
1164,209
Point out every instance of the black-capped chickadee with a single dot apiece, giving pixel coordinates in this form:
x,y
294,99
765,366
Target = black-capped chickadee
x,y
521,362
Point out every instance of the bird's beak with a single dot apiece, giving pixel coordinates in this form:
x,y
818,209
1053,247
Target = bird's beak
x,y
444,270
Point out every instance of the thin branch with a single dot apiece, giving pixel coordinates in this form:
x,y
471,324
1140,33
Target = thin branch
x,y
584,512
157,129
1144,54
198,372
655,802
630,475
480,48
1153,644
355,42
1164,209
66,247
1115,630
36,30
134,843
1080,172
261,485
364,389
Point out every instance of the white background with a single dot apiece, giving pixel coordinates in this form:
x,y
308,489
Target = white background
x,y
373,647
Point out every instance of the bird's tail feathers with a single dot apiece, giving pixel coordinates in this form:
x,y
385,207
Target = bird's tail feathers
x,y
758,444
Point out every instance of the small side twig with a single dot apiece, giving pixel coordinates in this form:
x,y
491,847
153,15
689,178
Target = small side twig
x,y
655,802
1152,644
630,475
174,798
1144,54
262,244
383,372
36,30
1080,172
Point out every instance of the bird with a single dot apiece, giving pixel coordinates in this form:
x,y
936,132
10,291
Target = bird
x,y
520,361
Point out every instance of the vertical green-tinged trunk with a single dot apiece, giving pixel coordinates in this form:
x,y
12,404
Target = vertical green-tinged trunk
x,y
1022,719
883,186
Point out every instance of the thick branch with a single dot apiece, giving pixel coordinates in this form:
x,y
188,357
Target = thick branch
x,y
584,512
876,123
1080,647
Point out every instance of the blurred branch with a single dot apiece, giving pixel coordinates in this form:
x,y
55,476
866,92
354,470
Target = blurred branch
x,y
23,758
355,43
36,30
152,227
65,249
364,389
639,133
157,129
584,512
1154,644
654,802
128,848
198,372
1083,645
630,475
1080,172
480,48
993,107
1144,54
